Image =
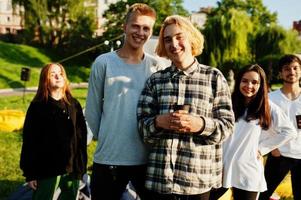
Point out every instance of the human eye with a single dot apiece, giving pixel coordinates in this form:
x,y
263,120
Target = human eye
x,y
180,37
255,82
135,26
286,68
244,80
146,29
167,40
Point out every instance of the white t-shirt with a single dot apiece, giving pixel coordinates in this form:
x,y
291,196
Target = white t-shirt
x,y
291,107
242,168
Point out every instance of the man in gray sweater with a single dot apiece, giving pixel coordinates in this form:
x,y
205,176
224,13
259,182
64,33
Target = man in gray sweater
x,y
116,81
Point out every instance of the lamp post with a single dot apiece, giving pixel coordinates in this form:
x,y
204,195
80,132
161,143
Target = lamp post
x,y
111,44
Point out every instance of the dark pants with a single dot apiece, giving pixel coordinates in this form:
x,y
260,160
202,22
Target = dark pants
x,y
276,168
237,194
109,182
158,196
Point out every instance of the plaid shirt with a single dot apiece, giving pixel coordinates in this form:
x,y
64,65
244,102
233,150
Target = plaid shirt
x,y
186,163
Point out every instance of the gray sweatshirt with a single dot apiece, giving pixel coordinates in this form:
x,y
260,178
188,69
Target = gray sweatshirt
x,y
113,93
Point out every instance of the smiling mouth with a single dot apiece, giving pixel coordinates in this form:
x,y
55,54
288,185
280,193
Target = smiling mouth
x,y
138,39
176,51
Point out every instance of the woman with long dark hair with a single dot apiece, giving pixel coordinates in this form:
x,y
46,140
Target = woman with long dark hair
x,y
260,126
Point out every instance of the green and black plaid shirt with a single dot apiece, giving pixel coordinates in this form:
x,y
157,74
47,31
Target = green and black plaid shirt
x,y
186,163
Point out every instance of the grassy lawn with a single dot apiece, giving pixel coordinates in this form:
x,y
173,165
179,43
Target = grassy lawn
x,y
11,142
13,57
10,173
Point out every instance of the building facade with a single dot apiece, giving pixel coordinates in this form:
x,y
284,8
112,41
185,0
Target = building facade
x,y
297,26
10,19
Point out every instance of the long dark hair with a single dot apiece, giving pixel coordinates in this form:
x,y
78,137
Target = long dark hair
x,y
258,107
44,86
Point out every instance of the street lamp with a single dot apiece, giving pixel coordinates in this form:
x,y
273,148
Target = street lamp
x,y
111,44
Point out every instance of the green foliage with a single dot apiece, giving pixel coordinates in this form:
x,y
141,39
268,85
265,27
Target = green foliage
x,y
239,32
13,57
165,8
226,38
259,14
115,14
268,41
270,44
291,43
50,22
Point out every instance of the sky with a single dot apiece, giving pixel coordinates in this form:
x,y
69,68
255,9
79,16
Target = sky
x,y
287,10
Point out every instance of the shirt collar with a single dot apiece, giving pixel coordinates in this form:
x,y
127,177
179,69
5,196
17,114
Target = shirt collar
x,y
188,72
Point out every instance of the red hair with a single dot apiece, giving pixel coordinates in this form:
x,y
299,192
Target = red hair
x,y
44,84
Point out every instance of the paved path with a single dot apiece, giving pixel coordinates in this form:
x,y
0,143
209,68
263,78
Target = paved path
x,y
21,91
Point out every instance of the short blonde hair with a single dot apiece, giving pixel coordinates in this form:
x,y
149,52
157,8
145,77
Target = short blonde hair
x,y
140,9
194,35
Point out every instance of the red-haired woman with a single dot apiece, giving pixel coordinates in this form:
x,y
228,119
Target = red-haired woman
x,y
54,138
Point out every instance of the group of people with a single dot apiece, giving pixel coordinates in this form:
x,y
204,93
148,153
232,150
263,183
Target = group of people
x,y
175,133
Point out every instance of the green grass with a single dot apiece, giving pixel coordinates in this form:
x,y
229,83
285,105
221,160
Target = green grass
x,y
13,57
10,144
16,102
10,173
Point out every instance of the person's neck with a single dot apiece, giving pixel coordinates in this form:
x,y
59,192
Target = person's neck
x,y
291,91
56,94
130,55
185,64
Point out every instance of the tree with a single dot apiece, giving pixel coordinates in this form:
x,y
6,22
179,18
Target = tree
x,y
52,22
258,13
226,39
271,43
239,32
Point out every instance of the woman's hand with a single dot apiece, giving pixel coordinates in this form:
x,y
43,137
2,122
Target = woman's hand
x,y
259,156
276,153
32,184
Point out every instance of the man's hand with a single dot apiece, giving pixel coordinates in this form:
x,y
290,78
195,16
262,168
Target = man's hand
x,y
180,121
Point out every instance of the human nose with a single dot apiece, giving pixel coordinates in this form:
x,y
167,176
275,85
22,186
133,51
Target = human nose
x,y
57,76
174,43
140,31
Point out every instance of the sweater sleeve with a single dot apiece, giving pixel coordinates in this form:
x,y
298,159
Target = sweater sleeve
x,y
29,158
94,102
81,133
219,126
146,113
280,132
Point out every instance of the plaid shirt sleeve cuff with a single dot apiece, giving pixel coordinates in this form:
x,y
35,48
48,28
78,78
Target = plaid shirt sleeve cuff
x,y
209,126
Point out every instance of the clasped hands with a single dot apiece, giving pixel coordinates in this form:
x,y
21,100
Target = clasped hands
x,y
180,121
